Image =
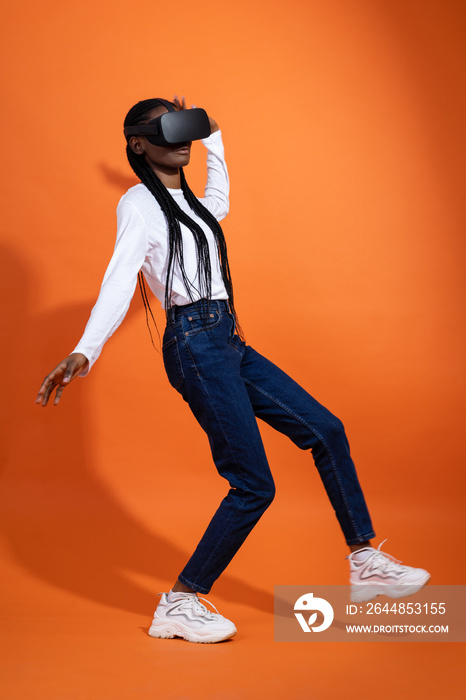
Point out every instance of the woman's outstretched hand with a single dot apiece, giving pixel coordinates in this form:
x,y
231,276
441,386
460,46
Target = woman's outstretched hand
x,y
60,377
181,104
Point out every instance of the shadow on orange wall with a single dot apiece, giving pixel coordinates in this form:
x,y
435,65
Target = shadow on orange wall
x,y
60,520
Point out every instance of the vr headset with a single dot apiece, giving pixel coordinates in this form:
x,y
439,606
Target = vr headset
x,y
173,126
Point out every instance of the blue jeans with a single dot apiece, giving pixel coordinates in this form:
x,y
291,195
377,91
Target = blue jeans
x,y
227,384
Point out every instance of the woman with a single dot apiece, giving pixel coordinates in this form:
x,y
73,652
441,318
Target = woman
x,y
176,241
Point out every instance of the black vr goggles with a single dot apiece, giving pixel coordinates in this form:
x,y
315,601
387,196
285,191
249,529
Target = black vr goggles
x,y
173,126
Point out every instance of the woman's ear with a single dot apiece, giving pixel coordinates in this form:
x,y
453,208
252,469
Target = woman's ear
x,y
136,145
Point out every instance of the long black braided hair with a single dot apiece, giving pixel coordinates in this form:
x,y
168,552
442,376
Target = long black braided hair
x,y
139,114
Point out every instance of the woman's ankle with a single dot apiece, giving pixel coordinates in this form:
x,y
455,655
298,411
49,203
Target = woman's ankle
x,y
179,587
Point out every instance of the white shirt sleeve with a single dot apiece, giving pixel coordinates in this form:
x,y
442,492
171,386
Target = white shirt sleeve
x,y
217,189
118,284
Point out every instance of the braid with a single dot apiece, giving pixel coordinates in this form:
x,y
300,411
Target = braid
x,y
175,216
210,219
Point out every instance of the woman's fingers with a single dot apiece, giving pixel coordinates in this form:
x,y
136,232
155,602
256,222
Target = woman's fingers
x,y
50,381
70,368
58,394
60,377
179,104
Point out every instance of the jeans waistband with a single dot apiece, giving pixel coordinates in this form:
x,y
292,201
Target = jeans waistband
x,y
219,305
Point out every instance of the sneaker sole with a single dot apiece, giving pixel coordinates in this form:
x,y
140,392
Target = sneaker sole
x,y
361,593
171,630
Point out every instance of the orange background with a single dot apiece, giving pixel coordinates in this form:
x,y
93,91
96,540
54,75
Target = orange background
x,y
344,131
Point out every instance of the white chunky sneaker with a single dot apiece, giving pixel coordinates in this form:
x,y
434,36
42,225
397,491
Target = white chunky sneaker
x,y
374,573
183,615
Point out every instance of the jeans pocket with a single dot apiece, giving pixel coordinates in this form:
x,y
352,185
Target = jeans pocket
x,y
172,363
201,321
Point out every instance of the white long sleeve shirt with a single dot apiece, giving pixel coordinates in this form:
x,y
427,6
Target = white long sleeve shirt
x,y
142,244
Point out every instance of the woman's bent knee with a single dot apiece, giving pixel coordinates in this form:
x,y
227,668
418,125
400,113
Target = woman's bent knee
x,y
328,432
334,429
265,498
257,499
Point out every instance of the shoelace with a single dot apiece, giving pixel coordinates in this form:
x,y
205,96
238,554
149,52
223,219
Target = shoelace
x,y
193,599
386,561
205,611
